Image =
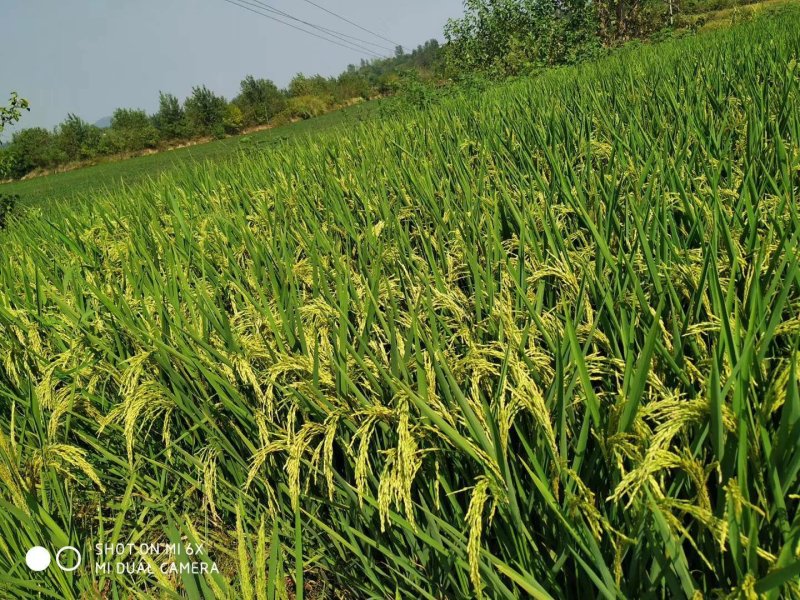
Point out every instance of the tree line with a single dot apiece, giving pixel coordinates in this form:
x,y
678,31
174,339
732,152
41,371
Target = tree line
x,y
502,38
207,114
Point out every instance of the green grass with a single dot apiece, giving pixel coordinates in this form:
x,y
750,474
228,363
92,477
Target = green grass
x,y
539,342
108,176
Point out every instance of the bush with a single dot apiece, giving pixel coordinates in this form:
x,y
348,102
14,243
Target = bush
x,y
78,140
205,112
472,82
503,38
310,86
170,120
414,91
7,163
351,85
131,131
31,149
259,100
234,119
306,107
281,118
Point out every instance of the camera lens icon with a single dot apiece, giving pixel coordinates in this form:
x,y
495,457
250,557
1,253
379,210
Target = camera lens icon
x,y
39,558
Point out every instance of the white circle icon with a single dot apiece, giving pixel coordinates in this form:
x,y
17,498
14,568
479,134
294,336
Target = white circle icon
x,y
72,549
37,558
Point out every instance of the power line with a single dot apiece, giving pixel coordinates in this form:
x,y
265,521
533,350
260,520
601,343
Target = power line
x,y
338,34
346,20
343,44
352,37
262,6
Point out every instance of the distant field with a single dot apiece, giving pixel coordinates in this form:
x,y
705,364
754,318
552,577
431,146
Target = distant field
x,y
111,175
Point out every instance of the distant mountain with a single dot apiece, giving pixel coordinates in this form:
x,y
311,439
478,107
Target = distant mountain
x,y
103,123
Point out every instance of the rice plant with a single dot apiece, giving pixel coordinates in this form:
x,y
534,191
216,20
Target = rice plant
x,y
539,341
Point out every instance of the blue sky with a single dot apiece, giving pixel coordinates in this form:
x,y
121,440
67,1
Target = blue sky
x,y
92,56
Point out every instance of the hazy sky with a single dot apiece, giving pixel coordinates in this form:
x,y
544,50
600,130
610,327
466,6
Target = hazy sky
x,y
92,56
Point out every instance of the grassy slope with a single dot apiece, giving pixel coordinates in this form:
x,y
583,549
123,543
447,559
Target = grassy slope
x,y
569,303
109,175
724,13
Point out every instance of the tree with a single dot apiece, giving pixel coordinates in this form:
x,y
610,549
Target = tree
x,y
427,56
8,115
507,37
305,107
35,148
234,119
205,112
352,85
170,120
259,100
77,139
7,163
131,131
12,113
310,86
626,19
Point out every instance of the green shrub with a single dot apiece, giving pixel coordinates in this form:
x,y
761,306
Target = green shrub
x,y
170,120
130,131
234,119
259,100
205,112
502,38
34,148
78,140
306,107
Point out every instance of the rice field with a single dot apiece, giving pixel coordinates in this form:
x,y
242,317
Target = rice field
x,y
535,342
112,173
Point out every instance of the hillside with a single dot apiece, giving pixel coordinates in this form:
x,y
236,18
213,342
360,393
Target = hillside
x,y
103,123
538,340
